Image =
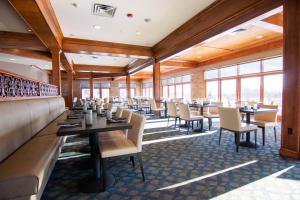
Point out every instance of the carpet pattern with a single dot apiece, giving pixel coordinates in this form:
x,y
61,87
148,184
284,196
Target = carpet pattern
x,y
181,166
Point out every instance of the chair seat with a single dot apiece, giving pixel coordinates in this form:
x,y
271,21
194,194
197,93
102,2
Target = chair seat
x,y
207,115
263,123
196,117
248,127
118,134
117,147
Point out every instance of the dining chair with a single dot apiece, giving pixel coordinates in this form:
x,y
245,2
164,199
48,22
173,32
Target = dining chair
x,y
154,108
141,106
132,145
212,113
266,120
126,114
185,114
230,120
118,112
172,112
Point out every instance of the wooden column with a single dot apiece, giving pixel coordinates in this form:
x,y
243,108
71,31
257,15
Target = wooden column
x,y
56,75
70,88
91,87
156,81
290,131
128,86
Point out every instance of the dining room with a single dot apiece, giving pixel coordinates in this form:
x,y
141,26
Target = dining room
x,y
149,100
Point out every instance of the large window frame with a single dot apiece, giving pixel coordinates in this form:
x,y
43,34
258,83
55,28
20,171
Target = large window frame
x,y
170,84
261,74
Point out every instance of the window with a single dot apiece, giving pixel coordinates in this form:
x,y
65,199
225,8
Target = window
x,y
178,91
249,68
187,91
212,90
228,71
211,74
165,91
96,93
85,93
171,91
250,89
273,89
228,88
144,92
132,92
273,64
105,92
123,93
151,92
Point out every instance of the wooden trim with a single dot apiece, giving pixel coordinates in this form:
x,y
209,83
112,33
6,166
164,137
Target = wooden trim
x,y
56,73
74,45
70,89
138,65
156,81
24,41
289,153
128,86
88,75
39,16
91,88
98,68
179,64
40,55
222,16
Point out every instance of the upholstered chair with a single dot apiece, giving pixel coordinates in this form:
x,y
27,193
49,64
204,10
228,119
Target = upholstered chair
x,y
132,145
172,112
118,112
230,120
126,114
266,120
185,114
212,113
154,108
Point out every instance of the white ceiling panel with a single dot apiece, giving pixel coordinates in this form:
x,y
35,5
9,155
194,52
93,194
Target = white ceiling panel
x,y
165,16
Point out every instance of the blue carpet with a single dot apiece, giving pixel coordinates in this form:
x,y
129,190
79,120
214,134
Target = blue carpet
x,y
182,168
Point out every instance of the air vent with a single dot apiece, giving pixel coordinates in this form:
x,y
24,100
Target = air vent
x,y
103,10
239,30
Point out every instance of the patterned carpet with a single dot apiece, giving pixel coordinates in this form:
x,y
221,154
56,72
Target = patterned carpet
x,y
181,166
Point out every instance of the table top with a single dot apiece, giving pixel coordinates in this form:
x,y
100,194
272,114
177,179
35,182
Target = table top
x,y
259,110
100,124
202,105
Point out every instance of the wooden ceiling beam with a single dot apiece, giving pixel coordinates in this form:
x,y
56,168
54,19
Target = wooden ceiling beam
x,y
222,15
97,75
138,65
179,64
74,45
24,41
40,55
97,68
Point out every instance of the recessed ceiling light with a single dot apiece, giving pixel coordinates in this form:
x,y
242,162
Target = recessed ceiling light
x,y
29,30
11,59
260,36
96,27
138,33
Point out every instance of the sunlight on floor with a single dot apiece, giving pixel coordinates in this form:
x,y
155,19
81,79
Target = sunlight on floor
x,y
270,187
207,176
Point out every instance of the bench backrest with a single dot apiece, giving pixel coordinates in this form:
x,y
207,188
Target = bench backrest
x,y
22,119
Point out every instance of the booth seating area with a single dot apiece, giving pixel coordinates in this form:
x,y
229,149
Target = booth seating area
x,y
29,145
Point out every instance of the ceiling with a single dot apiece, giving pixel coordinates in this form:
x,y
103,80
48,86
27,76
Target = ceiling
x,y
86,59
45,65
165,16
10,20
259,31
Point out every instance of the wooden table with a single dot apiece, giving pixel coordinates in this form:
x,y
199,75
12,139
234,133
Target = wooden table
x,y
249,112
94,183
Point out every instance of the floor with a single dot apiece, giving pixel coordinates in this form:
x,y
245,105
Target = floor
x,y
181,166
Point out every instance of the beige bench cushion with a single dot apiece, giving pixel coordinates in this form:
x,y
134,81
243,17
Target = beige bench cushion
x,y
23,173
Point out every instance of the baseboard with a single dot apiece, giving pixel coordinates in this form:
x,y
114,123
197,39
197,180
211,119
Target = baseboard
x,y
289,153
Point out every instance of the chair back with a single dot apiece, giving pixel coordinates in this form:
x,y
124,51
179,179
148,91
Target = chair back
x,y
230,118
135,134
184,111
119,112
267,116
171,109
153,105
126,114
109,106
214,110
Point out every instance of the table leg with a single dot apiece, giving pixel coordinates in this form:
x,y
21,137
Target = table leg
x,y
94,184
248,142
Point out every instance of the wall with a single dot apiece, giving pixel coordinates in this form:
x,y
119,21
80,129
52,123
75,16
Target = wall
x,y
25,71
